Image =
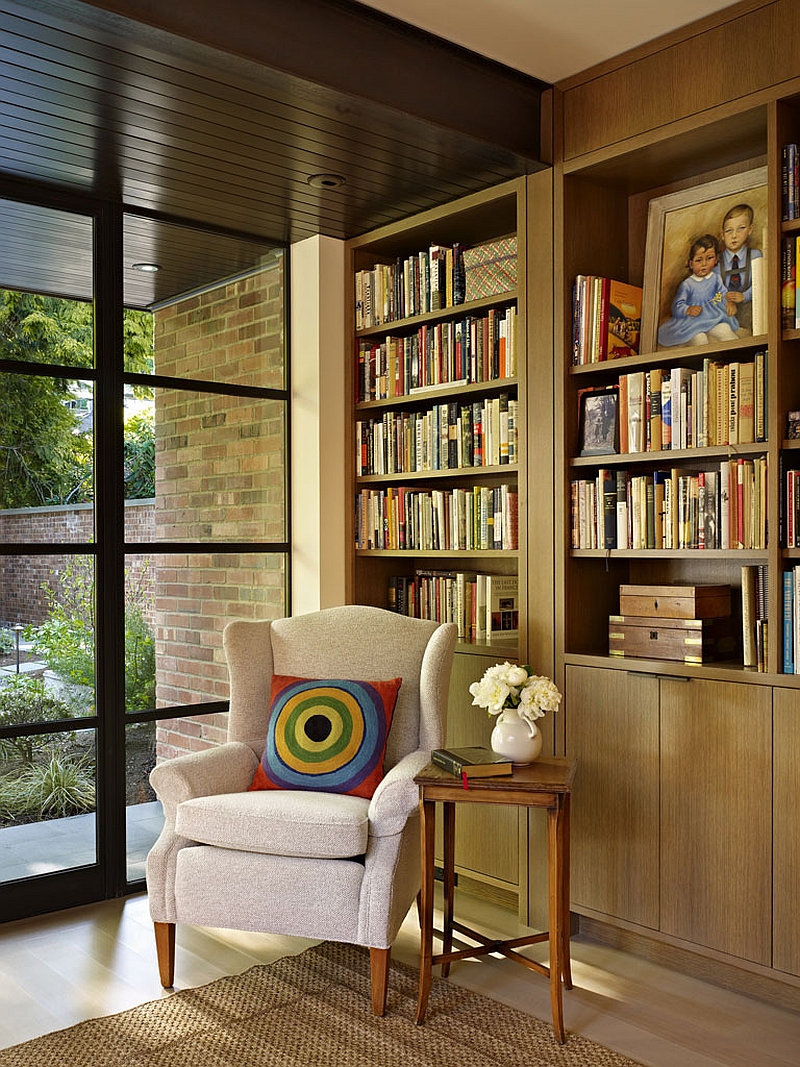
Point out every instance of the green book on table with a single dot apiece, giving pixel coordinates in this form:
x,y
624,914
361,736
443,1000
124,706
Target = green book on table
x,y
471,762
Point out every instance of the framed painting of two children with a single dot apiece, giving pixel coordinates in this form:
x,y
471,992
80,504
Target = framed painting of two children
x,y
705,264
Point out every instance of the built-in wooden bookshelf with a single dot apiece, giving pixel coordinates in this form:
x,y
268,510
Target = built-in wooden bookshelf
x,y
492,847
439,424
672,806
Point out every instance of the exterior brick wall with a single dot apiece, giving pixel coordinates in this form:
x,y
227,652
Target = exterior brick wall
x,y
22,596
219,477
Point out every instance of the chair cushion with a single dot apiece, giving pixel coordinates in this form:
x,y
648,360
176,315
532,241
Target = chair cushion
x,y
283,823
327,735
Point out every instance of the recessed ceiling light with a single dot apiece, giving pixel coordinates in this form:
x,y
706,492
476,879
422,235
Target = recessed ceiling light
x,y
146,268
325,181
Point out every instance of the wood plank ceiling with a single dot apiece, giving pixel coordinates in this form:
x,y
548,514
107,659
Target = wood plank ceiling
x,y
218,115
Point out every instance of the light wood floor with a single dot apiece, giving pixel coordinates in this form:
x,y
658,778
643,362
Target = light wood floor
x,y
59,969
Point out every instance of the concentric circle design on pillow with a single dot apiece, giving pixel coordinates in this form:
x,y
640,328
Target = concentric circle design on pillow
x,y
327,734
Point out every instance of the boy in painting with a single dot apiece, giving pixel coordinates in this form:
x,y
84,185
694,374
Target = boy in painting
x,y
700,311
735,266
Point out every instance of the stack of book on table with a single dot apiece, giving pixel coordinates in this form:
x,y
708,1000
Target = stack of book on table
x,y
471,762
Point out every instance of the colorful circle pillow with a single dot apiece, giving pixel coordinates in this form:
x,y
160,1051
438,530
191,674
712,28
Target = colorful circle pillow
x,y
326,734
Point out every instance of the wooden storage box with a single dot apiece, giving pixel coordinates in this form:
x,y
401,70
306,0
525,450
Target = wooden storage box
x,y
685,640
491,268
675,601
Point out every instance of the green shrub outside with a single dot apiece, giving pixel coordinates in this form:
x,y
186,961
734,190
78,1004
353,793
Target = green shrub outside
x,y
7,641
25,700
56,789
65,641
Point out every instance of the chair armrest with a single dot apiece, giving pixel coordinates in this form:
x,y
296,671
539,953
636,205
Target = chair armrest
x,y
397,796
226,769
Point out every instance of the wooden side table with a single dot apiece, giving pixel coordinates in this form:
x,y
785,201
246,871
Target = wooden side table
x,y
545,783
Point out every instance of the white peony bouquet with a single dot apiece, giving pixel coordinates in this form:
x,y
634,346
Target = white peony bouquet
x,y
508,685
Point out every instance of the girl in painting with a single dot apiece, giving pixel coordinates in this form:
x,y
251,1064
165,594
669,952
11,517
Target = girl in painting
x,y
699,312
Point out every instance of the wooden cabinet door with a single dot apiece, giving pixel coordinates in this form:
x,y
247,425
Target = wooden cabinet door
x,y
612,730
716,812
786,842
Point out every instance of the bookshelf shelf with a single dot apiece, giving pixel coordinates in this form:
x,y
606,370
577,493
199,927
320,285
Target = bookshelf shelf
x,y
440,554
686,355
720,671
438,392
743,555
662,457
454,311
451,474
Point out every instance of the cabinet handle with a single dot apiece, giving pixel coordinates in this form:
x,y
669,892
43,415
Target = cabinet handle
x,y
661,677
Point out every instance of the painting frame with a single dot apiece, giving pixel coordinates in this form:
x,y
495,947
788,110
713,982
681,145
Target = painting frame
x,y
598,422
674,221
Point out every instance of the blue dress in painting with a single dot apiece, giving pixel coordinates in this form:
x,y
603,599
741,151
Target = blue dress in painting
x,y
709,293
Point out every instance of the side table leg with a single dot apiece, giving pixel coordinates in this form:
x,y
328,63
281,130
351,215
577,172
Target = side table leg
x,y
564,849
449,880
427,831
555,933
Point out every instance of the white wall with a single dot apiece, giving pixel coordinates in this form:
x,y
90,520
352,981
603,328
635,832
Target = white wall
x,y
318,405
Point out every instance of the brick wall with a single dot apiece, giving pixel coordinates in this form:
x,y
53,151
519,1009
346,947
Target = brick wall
x,y
22,597
219,477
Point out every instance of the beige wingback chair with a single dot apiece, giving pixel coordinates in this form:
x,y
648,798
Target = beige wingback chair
x,y
312,864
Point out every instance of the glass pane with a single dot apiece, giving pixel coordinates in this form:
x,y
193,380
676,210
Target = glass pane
x,y
47,803
48,605
217,302
144,816
47,468
219,470
176,607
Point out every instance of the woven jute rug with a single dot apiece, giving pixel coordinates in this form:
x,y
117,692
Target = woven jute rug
x,y
312,1009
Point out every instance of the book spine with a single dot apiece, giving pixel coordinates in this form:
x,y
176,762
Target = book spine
x,y
788,622
749,614
446,762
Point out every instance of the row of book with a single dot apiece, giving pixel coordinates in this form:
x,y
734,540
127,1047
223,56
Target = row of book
x,y
415,285
482,606
790,182
477,348
720,508
481,518
755,615
670,408
790,298
606,319
449,436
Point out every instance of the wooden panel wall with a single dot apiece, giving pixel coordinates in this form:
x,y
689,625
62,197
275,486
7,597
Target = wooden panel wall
x,y
752,47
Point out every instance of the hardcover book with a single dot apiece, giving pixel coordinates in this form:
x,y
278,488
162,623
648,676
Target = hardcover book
x,y
623,322
471,762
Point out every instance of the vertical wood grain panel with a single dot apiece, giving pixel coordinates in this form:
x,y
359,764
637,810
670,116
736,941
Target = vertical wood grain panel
x,y
716,811
612,730
786,784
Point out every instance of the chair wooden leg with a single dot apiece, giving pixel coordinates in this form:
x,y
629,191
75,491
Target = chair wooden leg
x,y
165,950
379,976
